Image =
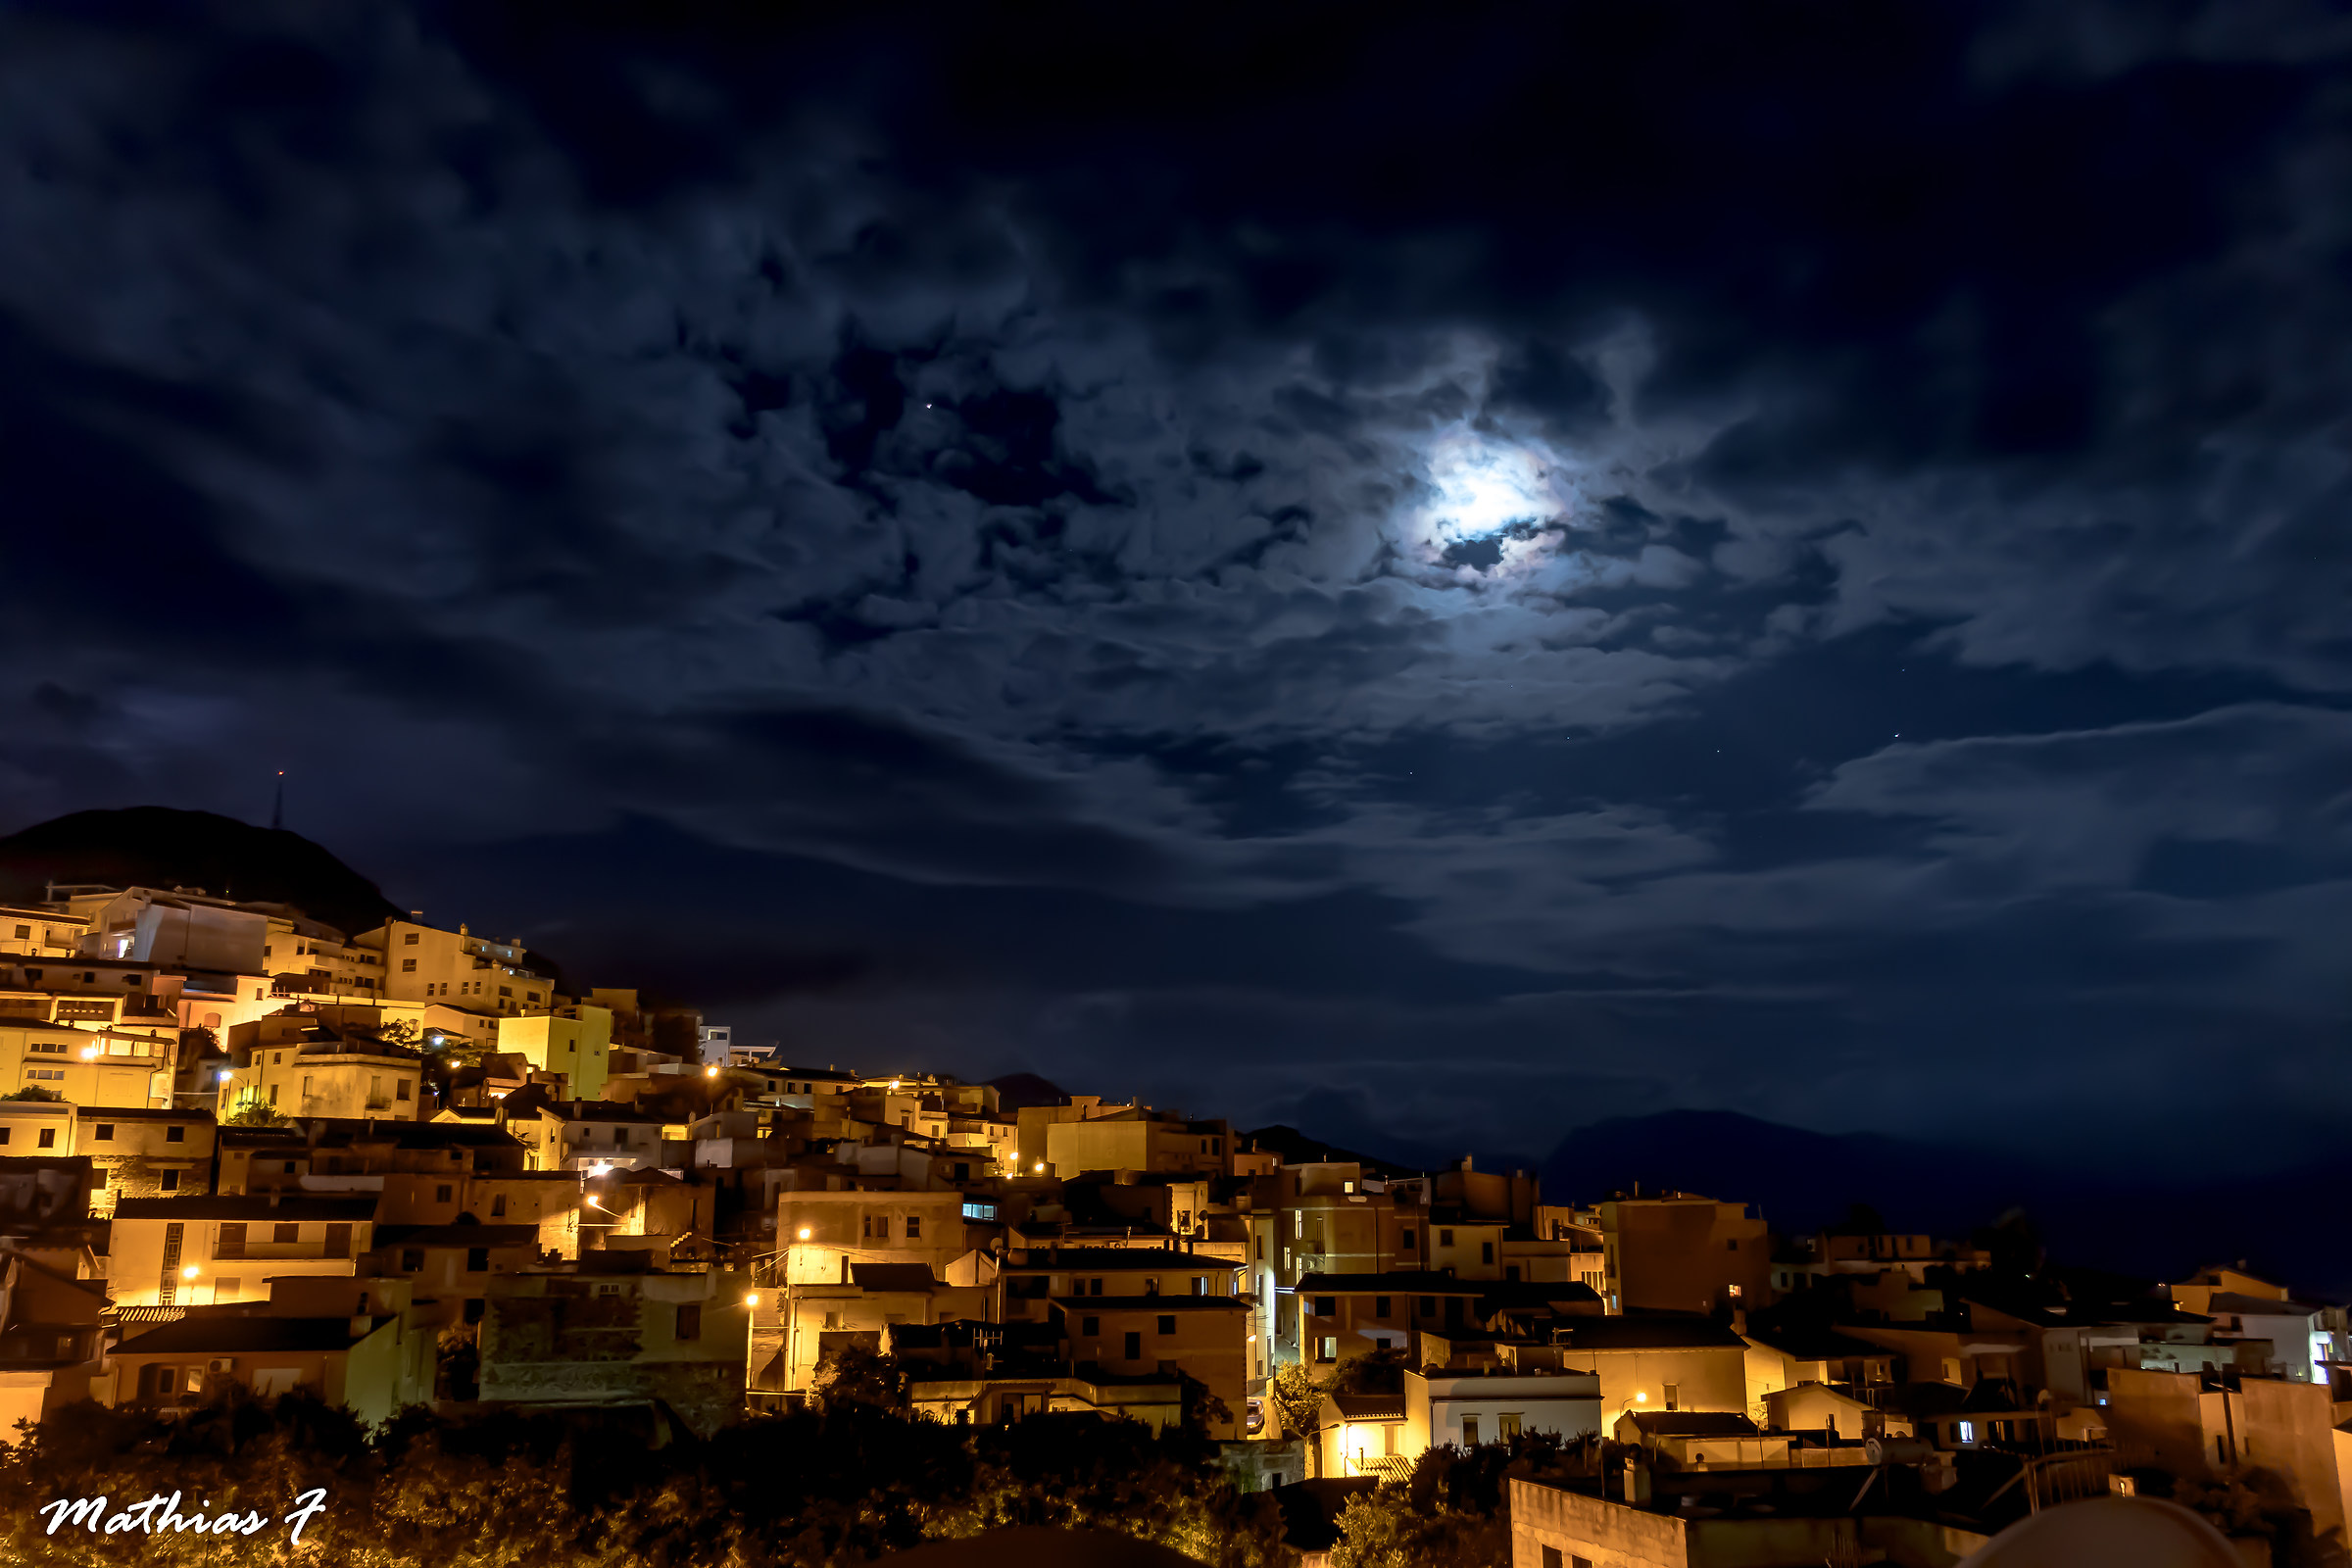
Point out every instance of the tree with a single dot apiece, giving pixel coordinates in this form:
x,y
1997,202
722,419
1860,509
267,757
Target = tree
x,y
1298,1396
1380,1371
33,1093
1382,1529
254,1114
854,1375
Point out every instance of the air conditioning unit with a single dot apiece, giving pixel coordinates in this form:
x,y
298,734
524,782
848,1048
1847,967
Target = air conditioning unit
x,y
221,1363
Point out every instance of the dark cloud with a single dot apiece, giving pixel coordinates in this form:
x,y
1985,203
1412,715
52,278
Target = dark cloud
x,y
1455,571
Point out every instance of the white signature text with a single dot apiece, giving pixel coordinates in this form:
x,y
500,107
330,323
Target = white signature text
x,y
160,1513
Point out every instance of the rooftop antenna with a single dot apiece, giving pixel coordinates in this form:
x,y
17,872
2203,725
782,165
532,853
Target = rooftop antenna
x,y
278,812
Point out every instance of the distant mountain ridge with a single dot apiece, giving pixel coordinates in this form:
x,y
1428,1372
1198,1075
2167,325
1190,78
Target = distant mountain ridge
x,y
158,846
1800,1180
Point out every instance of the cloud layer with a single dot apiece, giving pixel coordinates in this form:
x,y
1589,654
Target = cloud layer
x,y
1726,556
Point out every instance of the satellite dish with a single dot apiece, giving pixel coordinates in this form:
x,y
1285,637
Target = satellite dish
x,y
2144,1532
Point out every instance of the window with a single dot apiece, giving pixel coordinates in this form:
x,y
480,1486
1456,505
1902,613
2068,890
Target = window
x,y
3,1135
411,1259
1094,1288
48,1139
1429,1306
1380,1306
24,933
1486,1251
1444,1237
881,1227
1509,1421
306,1085
1133,1348
1167,1323
399,1089
690,1314
98,1176
505,990
1259,1239
1731,1246
408,938
273,1093
478,1261
232,1239
1674,1396
444,1193
1967,1430
1406,1238
1551,1558
914,1227
168,1181
1327,1348
1200,1285
102,1133
1327,1306
408,966
176,1134
498,1206
1470,1431
284,1234
1088,1327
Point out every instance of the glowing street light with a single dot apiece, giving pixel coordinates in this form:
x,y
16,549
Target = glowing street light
x,y
188,1273
751,1300
804,1233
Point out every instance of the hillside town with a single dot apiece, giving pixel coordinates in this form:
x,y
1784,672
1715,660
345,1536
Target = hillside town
x,y
401,1168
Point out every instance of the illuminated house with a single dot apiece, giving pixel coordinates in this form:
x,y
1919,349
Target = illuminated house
x,y
1683,1253
797,1325
982,1374
1110,1271
620,1333
1657,1361
140,1152
421,962
1363,1435
50,1327
1204,1337
41,933
1138,1138
95,1065
590,1135
325,1073
349,1340
182,1251
575,1042
823,1232
1469,1405
1348,1315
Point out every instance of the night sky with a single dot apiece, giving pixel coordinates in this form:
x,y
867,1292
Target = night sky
x,y
1436,574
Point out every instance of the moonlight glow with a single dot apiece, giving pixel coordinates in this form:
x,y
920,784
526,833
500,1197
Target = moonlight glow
x,y
1494,505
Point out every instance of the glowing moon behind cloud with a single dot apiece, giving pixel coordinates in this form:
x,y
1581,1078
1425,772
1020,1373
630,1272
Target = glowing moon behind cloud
x,y
1495,506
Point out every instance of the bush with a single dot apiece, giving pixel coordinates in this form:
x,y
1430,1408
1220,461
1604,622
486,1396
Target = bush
x,y
511,1490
